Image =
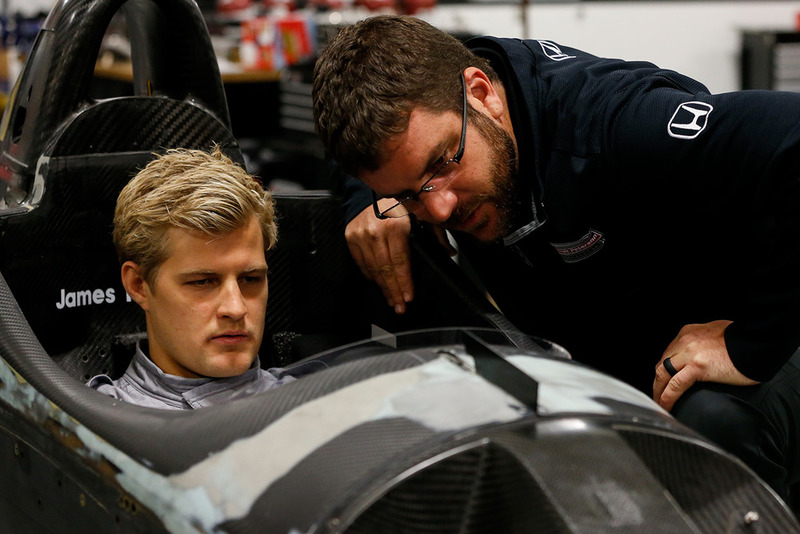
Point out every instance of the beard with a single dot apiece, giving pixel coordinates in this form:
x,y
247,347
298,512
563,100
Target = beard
x,y
503,169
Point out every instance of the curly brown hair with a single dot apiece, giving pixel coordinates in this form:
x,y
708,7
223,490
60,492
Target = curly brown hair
x,y
370,77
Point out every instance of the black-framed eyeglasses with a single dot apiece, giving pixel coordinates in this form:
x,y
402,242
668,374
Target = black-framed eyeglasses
x,y
401,208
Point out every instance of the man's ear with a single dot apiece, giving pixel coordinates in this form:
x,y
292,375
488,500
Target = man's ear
x,y
482,94
135,284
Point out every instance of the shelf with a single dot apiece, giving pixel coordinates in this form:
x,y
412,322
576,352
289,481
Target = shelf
x,y
124,73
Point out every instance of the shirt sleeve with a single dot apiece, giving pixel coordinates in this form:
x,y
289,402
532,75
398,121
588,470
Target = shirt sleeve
x,y
356,196
735,156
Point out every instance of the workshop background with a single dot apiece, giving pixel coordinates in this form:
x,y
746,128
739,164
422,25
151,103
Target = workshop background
x,y
266,50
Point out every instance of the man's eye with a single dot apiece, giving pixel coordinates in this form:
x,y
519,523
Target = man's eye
x,y
201,282
437,165
252,280
446,171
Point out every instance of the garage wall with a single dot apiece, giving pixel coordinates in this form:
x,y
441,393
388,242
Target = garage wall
x,y
698,38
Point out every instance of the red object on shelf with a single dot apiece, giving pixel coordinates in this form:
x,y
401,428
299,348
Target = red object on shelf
x,y
233,6
258,50
296,39
288,5
375,5
410,7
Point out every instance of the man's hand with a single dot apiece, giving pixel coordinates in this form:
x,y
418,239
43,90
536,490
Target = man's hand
x,y
381,250
698,354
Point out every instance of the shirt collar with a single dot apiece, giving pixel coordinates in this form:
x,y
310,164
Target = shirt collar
x,y
197,392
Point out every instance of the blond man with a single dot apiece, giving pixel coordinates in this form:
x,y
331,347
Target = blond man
x,y
192,230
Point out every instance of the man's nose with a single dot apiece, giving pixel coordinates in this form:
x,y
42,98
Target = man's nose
x,y
232,303
437,206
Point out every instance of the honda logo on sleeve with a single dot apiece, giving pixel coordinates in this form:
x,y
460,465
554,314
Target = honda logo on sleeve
x,y
689,120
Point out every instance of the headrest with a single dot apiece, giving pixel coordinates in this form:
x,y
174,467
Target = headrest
x,y
59,259
64,157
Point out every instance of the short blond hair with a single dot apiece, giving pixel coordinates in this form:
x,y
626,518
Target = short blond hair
x,y
192,190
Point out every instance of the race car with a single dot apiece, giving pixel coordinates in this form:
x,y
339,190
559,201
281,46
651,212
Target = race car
x,y
446,419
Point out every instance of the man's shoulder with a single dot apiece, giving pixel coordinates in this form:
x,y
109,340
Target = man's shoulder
x,y
513,49
137,386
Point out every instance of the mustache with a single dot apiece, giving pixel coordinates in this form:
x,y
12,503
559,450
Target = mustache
x,y
458,216
462,212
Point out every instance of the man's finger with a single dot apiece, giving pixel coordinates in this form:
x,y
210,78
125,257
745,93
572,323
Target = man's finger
x,y
400,254
380,249
370,267
387,265
361,262
676,387
662,377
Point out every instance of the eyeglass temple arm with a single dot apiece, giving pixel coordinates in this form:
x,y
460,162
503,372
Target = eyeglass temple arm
x,y
375,208
460,152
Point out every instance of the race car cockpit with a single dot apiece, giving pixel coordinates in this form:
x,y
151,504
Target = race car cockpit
x,y
447,419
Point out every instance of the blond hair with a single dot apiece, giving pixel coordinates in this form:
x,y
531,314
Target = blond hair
x,y
192,190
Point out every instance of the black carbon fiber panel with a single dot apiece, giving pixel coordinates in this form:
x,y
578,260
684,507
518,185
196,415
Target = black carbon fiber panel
x,y
712,489
63,270
583,477
315,287
485,489
134,124
177,60
593,479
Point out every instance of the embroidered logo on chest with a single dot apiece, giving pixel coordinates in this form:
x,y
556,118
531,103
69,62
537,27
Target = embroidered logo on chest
x,y
583,248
